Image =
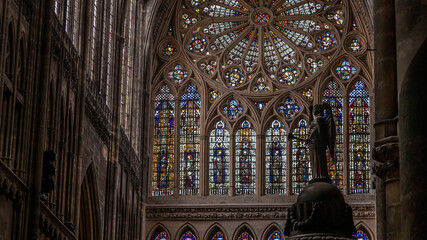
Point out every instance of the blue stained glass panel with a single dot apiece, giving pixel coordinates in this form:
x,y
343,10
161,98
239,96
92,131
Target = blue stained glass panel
x,y
188,236
245,236
163,152
276,236
301,167
219,153
245,159
162,236
359,139
361,236
219,236
190,141
275,152
334,97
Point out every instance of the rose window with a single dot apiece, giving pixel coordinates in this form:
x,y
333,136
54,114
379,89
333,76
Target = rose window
x,y
273,38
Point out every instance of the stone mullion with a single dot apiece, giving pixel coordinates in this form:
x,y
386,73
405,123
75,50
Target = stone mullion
x,y
176,169
204,166
346,145
232,167
289,166
260,169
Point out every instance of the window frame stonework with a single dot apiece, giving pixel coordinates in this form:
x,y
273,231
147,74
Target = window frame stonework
x,y
306,91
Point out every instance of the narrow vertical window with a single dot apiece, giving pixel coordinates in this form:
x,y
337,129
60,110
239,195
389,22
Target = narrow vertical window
x,y
334,97
219,153
275,159
359,139
190,141
164,132
245,159
301,169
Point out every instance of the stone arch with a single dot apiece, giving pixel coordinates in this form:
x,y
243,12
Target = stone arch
x,y
244,227
90,224
156,230
187,227
273,227
215,228
361,226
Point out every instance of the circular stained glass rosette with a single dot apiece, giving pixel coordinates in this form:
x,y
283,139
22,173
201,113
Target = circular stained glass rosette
x,y
264,36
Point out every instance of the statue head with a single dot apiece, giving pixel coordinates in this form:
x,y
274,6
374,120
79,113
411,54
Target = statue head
x,y
318,110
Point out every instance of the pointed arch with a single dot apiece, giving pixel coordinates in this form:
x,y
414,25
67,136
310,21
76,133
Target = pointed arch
x,y
186,232
244,232
363,232
272,232
159,232
89,207
216,232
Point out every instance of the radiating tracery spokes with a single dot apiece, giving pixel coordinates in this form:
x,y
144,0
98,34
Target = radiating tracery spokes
x,y
269,36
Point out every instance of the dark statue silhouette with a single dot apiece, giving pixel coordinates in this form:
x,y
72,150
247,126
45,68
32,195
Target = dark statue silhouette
x,y
322,136
320,211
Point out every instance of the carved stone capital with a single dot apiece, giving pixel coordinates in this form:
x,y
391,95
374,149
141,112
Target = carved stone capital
x,y
386,158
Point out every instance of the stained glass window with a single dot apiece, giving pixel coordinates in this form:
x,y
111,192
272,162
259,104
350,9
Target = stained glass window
x,y
289,109
255,59
360,235
162,236
245,159
188,236
190,141
218,236
219,155
334,97
276,236
275,159
359,139
245,236
301,169
164,133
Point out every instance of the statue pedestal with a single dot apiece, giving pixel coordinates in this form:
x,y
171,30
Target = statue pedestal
x,y
320,213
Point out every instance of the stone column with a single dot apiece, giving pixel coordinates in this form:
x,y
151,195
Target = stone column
x,y
386,149
411,36
45,22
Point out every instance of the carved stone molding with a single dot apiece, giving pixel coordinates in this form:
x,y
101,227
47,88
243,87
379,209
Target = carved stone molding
x,y
248,213
387,161
210,213
363,211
